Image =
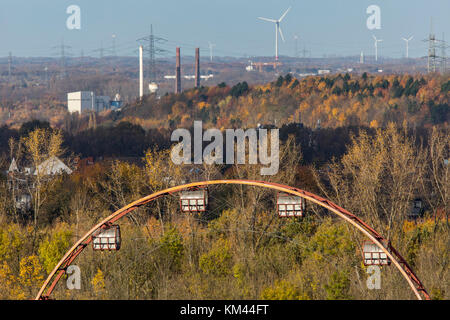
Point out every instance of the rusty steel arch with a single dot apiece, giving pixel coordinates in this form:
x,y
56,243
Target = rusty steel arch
x,y
406,271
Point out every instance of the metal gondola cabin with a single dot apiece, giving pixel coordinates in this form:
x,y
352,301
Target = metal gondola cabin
x,y
107,238
373,255
194,200
290,206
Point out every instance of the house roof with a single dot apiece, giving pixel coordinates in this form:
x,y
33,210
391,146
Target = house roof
x,y
52,166
13,166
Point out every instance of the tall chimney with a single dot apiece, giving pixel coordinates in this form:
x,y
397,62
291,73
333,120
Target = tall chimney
x,y
141,72
178,73
197,67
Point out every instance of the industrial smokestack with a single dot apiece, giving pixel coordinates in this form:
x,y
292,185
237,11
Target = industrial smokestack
x,y
197,67
141,72
178,73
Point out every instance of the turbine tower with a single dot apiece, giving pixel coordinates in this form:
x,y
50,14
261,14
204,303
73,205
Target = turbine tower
x,y
114,53
407,45
296,46
277,30
376,47
211,46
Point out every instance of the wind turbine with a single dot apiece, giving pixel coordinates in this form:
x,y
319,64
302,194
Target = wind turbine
x,y
113,45
407,45
296,45
211,45
277,30
376,47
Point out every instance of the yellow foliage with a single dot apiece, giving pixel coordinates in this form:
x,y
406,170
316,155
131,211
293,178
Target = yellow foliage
x,y
304,107
6,281
160,170
321,86
31,273
283,290
202,105
334,111
53,248
11,241
408,226
218,260
98,283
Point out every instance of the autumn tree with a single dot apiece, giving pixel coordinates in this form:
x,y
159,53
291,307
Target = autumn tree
x,y
251,202
41,145
378,177
437,180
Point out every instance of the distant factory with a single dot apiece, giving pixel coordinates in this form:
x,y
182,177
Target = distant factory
x,y
196,76
190,77
153,86
82,101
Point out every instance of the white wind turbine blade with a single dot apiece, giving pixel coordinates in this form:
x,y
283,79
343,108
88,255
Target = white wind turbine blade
x,y
267,19
284,14
281,34
410,38
375,38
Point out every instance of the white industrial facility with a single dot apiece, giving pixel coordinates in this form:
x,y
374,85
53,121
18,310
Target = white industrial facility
x,y
81,101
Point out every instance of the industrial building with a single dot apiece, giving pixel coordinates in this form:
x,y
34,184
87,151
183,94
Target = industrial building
x,y
82,101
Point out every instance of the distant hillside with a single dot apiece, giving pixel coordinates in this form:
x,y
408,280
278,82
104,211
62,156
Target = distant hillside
x,y
334,101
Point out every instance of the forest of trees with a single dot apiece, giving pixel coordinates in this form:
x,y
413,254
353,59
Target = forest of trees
x,y
335,101
382,142
239,248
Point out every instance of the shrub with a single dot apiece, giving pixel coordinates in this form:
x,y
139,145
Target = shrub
x,y
52,249
218,261
172,248
338,286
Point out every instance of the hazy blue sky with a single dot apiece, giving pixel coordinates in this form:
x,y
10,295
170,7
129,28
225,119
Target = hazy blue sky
x,y
33,27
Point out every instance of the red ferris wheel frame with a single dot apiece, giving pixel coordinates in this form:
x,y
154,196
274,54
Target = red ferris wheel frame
x,y
399,262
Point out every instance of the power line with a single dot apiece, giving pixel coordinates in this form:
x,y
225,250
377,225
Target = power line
x,y
63,55
9,65
153,49
444,55
100,50
306,52
432,44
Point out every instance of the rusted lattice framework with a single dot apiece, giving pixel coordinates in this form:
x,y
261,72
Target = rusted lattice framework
x,y
83,242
